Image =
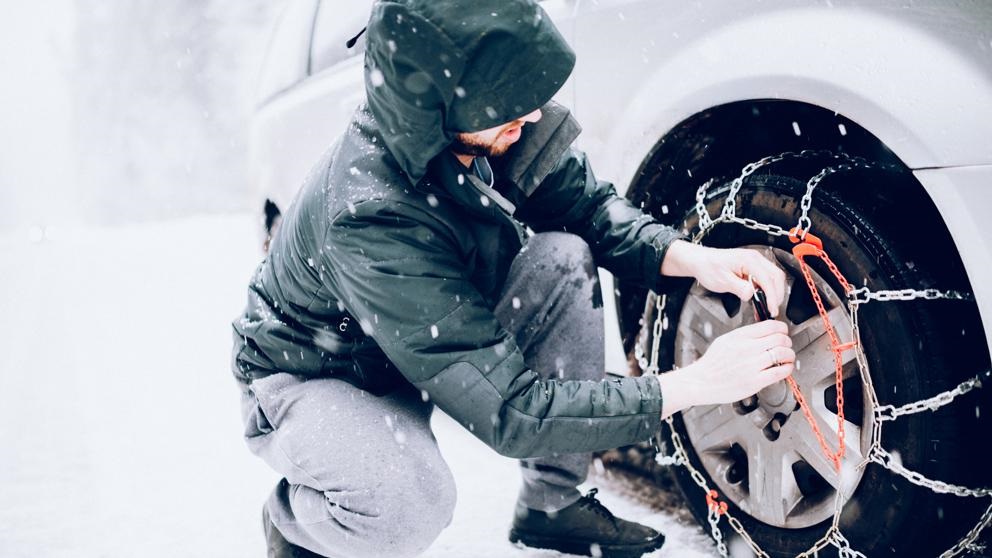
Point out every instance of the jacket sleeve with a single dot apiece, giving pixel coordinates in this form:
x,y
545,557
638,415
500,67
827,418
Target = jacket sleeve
x,y
624,240
402,277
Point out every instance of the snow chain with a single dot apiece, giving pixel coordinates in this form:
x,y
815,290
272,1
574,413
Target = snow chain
x,y
855,298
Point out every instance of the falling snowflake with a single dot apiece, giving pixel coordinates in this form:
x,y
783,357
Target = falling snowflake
x,y
376,78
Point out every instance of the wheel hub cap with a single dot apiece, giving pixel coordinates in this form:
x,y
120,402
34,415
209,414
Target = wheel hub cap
x,y
761,452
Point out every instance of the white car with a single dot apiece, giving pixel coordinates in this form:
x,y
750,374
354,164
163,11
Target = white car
x,y
865,123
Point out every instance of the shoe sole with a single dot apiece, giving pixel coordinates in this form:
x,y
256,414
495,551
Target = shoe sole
x,y
570,546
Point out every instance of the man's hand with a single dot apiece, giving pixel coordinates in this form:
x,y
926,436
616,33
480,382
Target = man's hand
x,y
737,365
725,270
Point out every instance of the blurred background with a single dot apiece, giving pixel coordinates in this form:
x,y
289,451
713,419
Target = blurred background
x,y
126,112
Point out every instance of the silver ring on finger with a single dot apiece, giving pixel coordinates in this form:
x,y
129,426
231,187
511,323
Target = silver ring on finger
x,y
771,355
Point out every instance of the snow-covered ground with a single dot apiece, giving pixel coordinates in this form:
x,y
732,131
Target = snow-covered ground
x,y
119,426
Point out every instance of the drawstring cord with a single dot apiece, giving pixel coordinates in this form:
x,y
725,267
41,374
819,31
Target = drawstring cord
x,y
351,42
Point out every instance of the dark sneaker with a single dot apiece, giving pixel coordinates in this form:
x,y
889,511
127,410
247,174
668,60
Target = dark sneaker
x,y
277,546
585,528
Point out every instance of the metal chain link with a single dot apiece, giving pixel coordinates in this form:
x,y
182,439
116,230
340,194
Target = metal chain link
x,y
640,352
773,230
700,481
864,295
887,460
730,206
713,518
844,549
806,203
881,413
968,541
891,412
705,221
659,328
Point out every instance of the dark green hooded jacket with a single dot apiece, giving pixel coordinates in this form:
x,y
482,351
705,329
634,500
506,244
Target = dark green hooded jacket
x,y
391,258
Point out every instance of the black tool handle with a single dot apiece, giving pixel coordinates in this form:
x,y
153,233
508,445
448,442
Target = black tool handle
x,y
760,301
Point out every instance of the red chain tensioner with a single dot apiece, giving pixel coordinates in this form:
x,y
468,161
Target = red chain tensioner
x,y
715,505
807,244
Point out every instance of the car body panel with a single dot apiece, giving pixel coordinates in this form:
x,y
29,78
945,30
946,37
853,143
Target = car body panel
x,y
921,84
963,195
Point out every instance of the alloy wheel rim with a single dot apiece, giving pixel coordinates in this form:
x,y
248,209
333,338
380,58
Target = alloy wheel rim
x,y
761,452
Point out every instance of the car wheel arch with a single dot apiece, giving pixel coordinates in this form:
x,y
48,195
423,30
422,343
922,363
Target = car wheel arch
x,y
718,142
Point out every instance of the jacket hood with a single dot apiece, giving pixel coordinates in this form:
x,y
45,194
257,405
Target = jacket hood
x,y
434,68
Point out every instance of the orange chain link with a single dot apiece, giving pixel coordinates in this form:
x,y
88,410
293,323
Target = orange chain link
x,y
810,245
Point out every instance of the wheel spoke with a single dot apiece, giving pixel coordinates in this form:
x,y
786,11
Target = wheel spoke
x,y
708,317
812,329
790,282
767,482
803,442
811,343
714,428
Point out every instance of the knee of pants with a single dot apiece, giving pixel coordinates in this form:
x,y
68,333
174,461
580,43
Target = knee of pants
x,y
565,251
405,514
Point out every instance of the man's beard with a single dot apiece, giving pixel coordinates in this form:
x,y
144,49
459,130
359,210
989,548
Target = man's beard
x,y
463,147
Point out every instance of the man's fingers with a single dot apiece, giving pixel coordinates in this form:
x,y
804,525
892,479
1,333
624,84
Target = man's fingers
x,y
771,279
778,373
783,354
742,288
763,329
766,359
774,340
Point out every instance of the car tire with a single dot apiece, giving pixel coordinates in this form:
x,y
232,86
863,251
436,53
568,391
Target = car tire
x,y
912,351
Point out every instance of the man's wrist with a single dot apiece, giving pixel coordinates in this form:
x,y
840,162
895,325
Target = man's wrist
x,y
681,259
677,391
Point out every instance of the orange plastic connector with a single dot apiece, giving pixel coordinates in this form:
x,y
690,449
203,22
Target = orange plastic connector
x,y
807,238
715,505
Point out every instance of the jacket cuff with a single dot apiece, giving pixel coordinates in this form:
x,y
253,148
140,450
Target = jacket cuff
x,y
651,404
653,279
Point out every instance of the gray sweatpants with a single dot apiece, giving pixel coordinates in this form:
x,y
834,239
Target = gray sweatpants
x,y
363,476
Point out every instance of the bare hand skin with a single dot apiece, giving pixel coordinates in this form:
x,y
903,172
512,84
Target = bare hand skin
x,y
726,270
737,365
